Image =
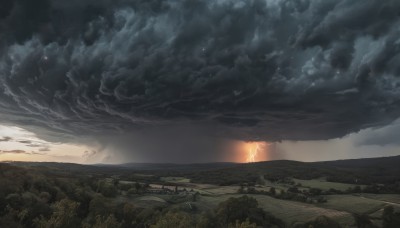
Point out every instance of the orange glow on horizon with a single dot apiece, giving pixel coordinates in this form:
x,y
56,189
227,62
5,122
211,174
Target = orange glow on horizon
x,y
252,152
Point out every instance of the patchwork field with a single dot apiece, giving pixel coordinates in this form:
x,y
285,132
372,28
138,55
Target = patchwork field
x,y
293,202
323,184
289,211
355,204
389,198
338,207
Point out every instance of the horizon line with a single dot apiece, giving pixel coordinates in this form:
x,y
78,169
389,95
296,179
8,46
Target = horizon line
x,y
188,163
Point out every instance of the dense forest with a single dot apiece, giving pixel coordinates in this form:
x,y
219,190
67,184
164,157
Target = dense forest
x,y
50,195
34,198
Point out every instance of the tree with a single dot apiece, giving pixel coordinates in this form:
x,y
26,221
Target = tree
x,y
245,224
107,189
390,218
98,206
206,220
195,196
387,216
64,216
106,222
357,189
320,222
242,209
293,189
272,191
315,191
14,200
129,213
174,220
363,221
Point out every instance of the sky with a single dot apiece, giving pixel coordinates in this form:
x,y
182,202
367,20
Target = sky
x,y
105,81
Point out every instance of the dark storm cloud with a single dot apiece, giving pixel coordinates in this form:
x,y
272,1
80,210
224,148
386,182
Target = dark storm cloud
x,y
271,69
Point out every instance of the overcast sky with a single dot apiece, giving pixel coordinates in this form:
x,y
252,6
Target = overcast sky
x,y
192,80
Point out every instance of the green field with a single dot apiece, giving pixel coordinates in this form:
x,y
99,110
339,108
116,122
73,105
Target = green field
x,y
338,207
323,184
289,211
357,203
390,198
175,179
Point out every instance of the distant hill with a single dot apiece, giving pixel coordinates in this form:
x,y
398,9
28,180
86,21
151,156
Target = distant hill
x,y
361,171
393,162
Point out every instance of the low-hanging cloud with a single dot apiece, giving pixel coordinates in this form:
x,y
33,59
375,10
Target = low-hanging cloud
x,y
251,70
387,135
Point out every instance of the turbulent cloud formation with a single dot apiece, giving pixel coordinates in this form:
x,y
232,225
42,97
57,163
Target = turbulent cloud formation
x,y
89,154
253,70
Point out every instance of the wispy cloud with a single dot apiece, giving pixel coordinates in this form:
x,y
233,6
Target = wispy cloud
x,y
89,154
14,152
21,152
34,145
44,149
5,139
37,153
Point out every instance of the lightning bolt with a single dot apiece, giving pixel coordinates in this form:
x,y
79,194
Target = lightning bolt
x,y
254,148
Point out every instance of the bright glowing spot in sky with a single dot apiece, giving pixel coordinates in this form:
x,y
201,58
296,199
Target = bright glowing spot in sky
x,y
256,151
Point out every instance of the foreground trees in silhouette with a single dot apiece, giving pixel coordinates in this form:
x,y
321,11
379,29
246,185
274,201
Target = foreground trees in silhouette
x,y
243,209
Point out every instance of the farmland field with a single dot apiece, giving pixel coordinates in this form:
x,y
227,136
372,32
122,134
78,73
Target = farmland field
x,y
290,212
354,203
175,179
390,198
324,185
338,207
